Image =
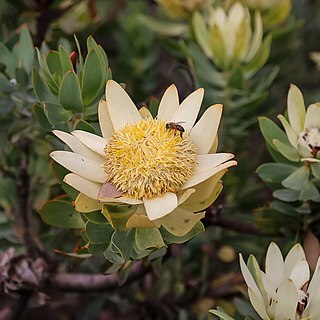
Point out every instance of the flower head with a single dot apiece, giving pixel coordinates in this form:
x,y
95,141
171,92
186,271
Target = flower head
x,y
144,161
284,290
302,127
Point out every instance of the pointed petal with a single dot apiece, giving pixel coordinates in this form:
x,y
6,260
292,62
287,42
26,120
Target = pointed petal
x,y
202,176
205,130
208,161
92,141
296,108
78,147
180,221
120,106
258,304
145,113
287,300
248,278
292,136
85,186
274,265
80,165
103,199
105,123
300,273
184,195
169,104
159,207
189,109
85,204
313,116
294,255
205,193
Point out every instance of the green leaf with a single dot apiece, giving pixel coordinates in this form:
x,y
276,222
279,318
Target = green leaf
x,y
124,241
56,113
7,59
41,117
65,61
91,44
79,51
315,169
60,213
271,131
119,215
221,314
298,180
84,126
287,195
164,28
275,172
284,208
54,64
98,233
309,192
287,150
51,82
201,33
170,238
96,217
218,47
97,249
22,77
70,92
40,88
26,49
113,256
261,57
93,78
147,238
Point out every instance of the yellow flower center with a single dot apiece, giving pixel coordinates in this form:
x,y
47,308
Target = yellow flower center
x,y
146,159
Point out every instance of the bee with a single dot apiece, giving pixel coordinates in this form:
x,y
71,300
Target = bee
x,y
175,126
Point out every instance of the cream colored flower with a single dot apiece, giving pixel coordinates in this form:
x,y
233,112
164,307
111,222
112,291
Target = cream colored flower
x,y
283,291
181,8
142,161
302,127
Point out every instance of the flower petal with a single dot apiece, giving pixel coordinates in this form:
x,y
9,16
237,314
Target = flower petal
x,y
248,278
169,104
202,176
120,106
292,136
189,109
92,141
85,186
145,113
85,204
286,306
258,304
80,165
296,108
300,273
180,221
274,265
140,221
159,207
208,161
105,123
78,147
204,132
205,193
313,116
295,255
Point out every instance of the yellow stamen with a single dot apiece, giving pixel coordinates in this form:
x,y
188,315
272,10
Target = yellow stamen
x,y
145,160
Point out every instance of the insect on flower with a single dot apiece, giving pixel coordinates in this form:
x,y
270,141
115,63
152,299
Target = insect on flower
x,y
175,126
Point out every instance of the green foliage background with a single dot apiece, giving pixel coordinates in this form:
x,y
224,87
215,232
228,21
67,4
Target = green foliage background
x,y
148,51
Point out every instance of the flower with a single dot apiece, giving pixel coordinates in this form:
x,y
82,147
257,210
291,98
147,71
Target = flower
x,y
273,12
181,8
302,128
148,162
284,290
229,39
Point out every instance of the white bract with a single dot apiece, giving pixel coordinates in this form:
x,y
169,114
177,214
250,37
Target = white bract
x,y
232,38
284,291
302,127
142,161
